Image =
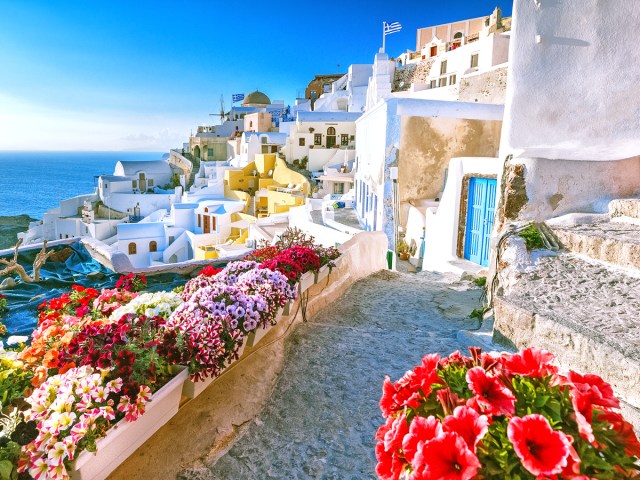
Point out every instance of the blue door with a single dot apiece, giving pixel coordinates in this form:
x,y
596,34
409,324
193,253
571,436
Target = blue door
x,y
480,213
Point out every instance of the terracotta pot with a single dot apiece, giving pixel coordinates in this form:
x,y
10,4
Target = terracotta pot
x,y
404,256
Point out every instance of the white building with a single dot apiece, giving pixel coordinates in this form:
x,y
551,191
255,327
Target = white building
x,y
349,93
258,142
322,138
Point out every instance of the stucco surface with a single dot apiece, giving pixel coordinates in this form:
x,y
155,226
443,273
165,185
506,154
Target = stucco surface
x,y
428,144
558,187
572,95
486,87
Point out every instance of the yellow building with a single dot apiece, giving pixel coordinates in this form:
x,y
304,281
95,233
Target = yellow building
x,y
275,187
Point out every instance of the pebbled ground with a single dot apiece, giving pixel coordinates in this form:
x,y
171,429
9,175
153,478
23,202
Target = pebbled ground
x,y
321,420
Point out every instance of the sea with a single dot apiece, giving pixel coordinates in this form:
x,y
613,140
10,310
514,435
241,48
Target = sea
x,y
33,182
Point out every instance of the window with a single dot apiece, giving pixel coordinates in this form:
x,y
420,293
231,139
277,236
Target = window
x,y
338,188
452,80
434,50
106,185
213,223
433,84
274,149
134,183
317,139
150,182
344,140
133,249
442,82
443,67
331,131
265,148
301,142
153,246
199,221
209,152
263,139
474,60
250,124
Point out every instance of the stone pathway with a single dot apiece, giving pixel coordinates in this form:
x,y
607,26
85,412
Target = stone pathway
x,y
321,420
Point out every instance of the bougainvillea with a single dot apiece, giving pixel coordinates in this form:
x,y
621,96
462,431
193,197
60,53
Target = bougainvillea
x,y
510,416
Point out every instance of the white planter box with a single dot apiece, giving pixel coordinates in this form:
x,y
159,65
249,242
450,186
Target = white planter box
x,y
257,335
192,389
124,438
286,310
306,281
321,274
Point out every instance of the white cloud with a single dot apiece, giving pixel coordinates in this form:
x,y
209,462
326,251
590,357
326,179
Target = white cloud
x,y
27,126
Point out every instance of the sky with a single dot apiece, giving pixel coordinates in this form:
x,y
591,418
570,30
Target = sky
x,y
141,75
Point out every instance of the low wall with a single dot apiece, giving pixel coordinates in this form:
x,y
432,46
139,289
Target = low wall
x,y
206,427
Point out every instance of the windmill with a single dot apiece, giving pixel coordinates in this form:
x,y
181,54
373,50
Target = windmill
x,y
222,113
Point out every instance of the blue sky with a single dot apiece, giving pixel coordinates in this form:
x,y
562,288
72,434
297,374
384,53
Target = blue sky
x,y
127,75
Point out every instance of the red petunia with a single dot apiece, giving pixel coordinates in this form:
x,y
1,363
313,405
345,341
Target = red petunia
x,y
492,395
531,362
446,457
396,396
625,434
426,374
390,435
599,392
542,450
467,423
421,430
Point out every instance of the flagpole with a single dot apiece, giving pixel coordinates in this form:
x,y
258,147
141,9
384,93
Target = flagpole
x,y
383,37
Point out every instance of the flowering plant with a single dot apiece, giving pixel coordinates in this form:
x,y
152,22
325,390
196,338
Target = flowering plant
x,y
158,304
71,411
128,350
227,275
209,271
508,416
15,380
326,255
293,262
132,282
111,299
78,303
272,286
263,254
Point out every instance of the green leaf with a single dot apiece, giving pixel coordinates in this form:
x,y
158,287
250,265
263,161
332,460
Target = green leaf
x,y
6,467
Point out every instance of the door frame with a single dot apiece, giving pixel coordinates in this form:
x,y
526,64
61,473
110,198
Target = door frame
x,y
464,202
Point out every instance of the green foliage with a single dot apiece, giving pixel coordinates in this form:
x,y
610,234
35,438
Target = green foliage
x,y
14,380
402,247
532,238
477,313
480,281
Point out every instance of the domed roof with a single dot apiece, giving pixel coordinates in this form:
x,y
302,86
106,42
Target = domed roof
x,y
256,98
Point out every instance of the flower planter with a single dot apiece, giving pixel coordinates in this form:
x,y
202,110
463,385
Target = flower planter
x,y
306,281
124,438
192,389
321,274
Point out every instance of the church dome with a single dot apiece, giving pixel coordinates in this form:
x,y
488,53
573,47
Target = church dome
x,y
256,98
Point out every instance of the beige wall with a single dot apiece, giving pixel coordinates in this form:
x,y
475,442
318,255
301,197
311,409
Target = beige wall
x,y
257,122
428,144
446,31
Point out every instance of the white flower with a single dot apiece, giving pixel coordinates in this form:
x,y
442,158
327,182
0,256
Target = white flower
x,y
15,339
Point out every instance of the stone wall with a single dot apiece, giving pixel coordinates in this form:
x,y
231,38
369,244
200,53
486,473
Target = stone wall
x,y
413,73
486,87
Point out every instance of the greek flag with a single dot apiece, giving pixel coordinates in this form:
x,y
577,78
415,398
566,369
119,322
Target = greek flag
x,y
236,97
390,28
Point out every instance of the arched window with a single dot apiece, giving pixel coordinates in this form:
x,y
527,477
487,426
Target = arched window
x,y
153,246
331,131
133,249
206,209
250,123
458,35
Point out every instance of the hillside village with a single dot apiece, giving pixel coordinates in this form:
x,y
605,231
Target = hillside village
x,y
491,148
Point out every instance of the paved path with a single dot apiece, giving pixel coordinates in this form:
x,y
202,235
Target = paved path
x,y
322,417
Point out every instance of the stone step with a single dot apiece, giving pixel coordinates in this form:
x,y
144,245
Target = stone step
x,y
625,207
611,242
585,312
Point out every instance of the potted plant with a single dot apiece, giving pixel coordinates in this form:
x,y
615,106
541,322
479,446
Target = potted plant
x,y
403,250
508,416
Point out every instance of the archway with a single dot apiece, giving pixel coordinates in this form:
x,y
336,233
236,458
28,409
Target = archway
x,y
196,152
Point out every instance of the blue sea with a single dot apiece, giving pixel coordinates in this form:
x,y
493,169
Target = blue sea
x,y
33,182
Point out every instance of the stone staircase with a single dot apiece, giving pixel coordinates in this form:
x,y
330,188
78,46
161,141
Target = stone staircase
x,y
583,304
